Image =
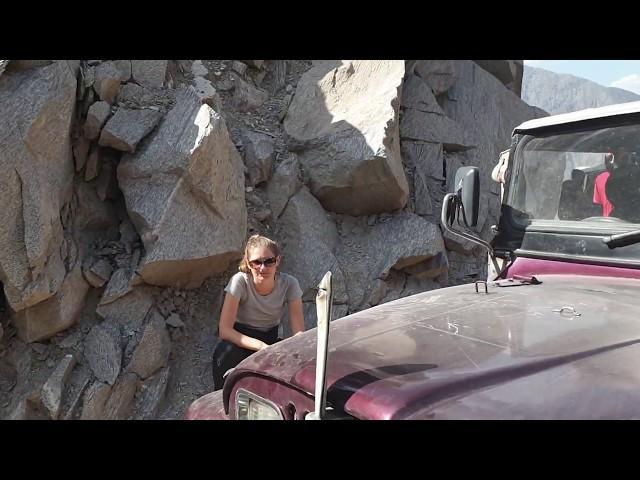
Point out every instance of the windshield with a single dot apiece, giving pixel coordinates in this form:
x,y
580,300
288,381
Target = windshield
x,y
590,176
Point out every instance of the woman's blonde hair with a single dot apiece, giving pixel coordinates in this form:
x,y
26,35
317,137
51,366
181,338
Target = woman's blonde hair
x,y
257,241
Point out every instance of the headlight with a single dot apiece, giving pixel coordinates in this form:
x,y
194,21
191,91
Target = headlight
x,y
250,406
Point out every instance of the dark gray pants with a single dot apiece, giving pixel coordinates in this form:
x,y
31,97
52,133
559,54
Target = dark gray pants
x,y
227,355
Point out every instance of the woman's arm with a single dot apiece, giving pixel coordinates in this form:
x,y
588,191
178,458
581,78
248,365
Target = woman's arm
x,y
296,316
228,319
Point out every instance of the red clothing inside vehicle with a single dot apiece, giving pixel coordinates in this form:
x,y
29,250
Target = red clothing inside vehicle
x,y
600,194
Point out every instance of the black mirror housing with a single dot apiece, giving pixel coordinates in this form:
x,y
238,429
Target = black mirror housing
x,y
467,189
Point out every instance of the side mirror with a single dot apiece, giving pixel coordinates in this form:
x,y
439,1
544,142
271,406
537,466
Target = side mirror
x,y
467,189
465,202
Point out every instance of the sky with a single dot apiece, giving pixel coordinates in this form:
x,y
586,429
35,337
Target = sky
x,y
609,73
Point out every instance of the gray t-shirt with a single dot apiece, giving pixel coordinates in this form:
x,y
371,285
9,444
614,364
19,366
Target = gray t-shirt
x,y
262,311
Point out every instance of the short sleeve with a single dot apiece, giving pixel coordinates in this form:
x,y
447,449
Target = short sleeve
x,y
294,292
237,286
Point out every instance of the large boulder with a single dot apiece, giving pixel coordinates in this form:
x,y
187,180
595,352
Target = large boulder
x,y
107,81
440,75
152,353
72,392
127,127
423,119
36,109
119,285
417,93
509,72
207,93
103,351
425,160
97,273
129,310
284,184
258,156
246,97
343,122
94,401
151,395
17,65
55,314
309,239
124,67
53,388
30,408
402,242
121,400
185,194
149,73
429,127
97,115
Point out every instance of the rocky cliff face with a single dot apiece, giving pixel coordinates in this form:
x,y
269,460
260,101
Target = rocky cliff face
x,y
561,93
130,186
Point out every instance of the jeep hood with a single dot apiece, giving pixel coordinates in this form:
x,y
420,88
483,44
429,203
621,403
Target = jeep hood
x,y
456,353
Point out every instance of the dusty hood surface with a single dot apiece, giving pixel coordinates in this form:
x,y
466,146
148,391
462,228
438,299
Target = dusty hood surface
x,y
505,354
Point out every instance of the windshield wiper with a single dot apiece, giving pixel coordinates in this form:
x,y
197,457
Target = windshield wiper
x,y
622,239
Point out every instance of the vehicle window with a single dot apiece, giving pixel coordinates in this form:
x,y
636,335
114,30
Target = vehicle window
x,y
587,176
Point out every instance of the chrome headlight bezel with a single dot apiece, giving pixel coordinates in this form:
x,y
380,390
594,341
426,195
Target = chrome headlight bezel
x,y
243,401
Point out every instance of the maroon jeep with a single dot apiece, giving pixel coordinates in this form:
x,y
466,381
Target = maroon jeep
x,y
554,332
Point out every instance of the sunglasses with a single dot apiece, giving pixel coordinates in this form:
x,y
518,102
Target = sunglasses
x,y
267,262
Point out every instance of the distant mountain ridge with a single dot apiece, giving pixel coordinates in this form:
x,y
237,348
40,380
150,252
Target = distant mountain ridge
x,y
562,93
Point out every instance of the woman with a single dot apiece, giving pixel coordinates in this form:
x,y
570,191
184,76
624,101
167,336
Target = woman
x,y
254,305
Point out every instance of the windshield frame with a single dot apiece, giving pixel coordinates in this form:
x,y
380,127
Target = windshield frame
x,y
562,240
516,163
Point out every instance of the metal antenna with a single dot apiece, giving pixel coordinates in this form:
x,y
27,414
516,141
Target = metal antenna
x,y
324,304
